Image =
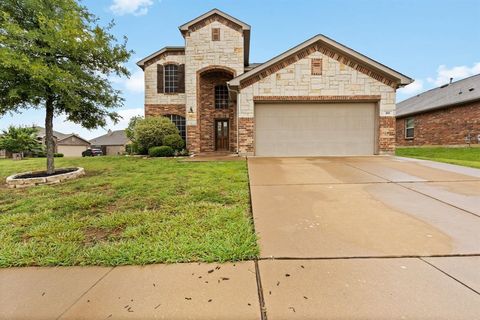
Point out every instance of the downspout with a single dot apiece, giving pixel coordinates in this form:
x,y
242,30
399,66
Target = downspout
x,y
238,112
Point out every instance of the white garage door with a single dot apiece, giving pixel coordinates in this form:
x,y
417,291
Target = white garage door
x,y
71,151
314,129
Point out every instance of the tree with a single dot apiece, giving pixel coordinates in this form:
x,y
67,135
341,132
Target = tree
x,y
54,55
130,130
19,140
151,132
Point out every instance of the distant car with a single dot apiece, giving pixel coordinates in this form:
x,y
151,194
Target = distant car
x,y
92,153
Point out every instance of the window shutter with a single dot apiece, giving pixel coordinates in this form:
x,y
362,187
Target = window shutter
x,y
160,78
316,67
181,78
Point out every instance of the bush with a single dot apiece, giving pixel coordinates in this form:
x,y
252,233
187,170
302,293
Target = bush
x,y
58,155
151,132
163,151
174,141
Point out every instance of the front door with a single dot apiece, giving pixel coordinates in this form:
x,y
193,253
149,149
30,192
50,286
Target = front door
x,y
221,135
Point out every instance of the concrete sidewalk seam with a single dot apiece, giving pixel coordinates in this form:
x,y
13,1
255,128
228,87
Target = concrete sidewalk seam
x,y
450,276
374,257
86,291
261,299
426,195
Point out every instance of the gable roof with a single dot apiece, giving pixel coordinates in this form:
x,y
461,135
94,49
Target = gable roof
x,y
215,12
455,93
114,138
184,27
142,62
358,59
41,133
62,140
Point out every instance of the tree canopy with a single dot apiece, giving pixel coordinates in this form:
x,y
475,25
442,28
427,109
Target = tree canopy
x,y
55,55
19,139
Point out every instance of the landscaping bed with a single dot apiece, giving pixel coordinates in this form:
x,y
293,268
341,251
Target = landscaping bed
x,y
128,210
469,157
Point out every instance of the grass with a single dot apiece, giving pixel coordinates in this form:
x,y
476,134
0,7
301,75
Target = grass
x,y
128,211
469,157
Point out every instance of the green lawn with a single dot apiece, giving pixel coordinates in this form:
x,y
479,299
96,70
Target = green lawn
x,y
469,157
128,211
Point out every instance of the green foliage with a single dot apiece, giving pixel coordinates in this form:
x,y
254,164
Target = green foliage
x,y
197,211
174,141
55,55
151,132
58,155
20,139
162,151
469,157
130,130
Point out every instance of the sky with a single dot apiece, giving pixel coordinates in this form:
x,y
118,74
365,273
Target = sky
x,y
427,40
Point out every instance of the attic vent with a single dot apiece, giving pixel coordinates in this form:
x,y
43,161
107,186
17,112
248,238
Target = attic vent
x,y
316,67
215,34
471,89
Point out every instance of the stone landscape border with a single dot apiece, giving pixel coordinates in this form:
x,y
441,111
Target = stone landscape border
x,y
15,182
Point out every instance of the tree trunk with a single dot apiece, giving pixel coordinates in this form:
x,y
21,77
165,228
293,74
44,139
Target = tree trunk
x,y
49,136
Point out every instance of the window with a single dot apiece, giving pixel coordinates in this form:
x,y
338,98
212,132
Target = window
x,y
171,78
316,67
179,122
215,34
221,96
409,128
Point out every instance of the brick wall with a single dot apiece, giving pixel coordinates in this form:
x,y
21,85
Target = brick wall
x,y
246,134
207,114
447,126
386,135
153,110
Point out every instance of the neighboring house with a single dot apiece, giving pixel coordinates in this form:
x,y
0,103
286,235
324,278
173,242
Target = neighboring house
x,y
448,115
318,98
70,145
112,143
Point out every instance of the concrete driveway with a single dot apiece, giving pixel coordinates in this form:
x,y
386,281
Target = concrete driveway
x,y
355,232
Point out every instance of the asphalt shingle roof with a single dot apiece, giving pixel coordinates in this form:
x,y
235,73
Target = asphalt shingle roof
x,y
456,93
114,138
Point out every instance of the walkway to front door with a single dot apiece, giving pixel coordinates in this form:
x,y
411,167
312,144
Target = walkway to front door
x,y
221,135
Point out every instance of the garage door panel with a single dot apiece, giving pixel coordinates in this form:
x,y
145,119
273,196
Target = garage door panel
x,y
315,129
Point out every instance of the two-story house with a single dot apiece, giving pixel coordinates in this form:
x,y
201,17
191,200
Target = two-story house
x,y
318,98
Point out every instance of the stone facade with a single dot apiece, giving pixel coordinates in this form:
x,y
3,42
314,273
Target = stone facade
x,y
337,79
448,126
209,61
203,55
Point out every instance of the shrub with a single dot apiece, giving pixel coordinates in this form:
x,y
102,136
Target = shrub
x,y
174,141
163,151
58,155
151,132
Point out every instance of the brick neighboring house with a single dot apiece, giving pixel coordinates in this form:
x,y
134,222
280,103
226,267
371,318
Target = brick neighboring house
x,y
448,115
318,98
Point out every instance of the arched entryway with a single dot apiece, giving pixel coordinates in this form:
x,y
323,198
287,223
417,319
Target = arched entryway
x,y
216,112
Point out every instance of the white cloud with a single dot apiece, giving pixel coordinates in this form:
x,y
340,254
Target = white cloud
x,y
413,88
134,84
135,7
457,73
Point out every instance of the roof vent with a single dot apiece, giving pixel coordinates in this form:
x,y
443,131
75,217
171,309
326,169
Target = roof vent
x,y
460,92
471,89
451,79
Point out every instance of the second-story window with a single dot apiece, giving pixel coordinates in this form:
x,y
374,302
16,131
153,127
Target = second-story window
x,y
221,96
171,78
